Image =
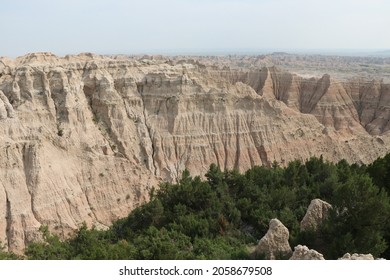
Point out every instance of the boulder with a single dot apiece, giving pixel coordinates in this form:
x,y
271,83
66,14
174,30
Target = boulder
x,y
355,256
315,214
303,253
274,243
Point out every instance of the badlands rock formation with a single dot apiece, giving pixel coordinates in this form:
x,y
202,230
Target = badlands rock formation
x,y
274,243
84,138
315,214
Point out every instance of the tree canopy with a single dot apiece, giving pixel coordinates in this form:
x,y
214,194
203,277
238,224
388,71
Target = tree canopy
x,y
225,214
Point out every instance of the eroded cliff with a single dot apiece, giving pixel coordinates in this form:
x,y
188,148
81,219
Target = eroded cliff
x,y
84,138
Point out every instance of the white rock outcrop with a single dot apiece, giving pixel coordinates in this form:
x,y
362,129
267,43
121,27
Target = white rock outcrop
x,y
304,253
274,243
355,256
315,214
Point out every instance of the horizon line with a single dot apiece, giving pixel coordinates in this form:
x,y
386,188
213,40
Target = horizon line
x,y
224,52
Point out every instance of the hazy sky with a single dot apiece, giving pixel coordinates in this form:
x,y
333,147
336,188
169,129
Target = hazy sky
x,y
167,26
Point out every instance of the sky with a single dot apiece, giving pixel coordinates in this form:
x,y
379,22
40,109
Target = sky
x,y
191,26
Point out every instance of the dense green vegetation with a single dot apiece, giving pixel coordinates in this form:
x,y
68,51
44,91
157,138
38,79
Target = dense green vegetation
x,y
225,214
6,255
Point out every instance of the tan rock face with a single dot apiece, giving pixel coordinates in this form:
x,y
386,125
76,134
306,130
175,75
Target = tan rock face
x,y
315,214
304,253
84,138
274,243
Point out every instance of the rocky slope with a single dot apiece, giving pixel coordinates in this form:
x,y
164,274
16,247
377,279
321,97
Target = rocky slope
x,y
84,138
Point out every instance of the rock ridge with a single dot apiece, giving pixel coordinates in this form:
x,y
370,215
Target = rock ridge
x,y
85,137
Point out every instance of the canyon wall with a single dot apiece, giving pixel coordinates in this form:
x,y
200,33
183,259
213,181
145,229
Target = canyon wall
x,y
84,138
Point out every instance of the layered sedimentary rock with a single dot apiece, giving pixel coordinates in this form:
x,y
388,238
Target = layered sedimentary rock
x,y
84,138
